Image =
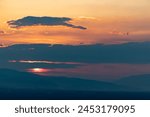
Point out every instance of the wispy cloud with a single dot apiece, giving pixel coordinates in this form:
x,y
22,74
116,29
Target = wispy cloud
x,y
2,32
45,21
119,33
45,62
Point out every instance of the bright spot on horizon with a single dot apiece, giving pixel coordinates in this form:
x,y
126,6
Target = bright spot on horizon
x,y
37,70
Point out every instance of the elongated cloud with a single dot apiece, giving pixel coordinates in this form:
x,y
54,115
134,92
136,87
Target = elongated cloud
x,y
45,21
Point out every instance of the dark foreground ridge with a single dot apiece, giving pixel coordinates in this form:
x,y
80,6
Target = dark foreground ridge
x,y
72,95
21,86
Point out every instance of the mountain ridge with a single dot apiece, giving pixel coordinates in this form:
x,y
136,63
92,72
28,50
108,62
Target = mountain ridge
x,y
12,79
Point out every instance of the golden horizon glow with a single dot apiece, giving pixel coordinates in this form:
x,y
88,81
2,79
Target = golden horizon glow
x,y
107,21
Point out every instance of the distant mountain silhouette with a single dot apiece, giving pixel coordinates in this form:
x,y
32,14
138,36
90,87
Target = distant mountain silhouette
x,y
140,82
21,85
21,80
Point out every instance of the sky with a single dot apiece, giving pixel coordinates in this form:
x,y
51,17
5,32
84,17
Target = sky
x,y
91,21
96,39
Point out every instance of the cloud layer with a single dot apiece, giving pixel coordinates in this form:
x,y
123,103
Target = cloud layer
x,y
129,53
45,21
84,61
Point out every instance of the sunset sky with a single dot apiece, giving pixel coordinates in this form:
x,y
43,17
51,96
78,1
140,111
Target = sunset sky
x,y
106,21
99,40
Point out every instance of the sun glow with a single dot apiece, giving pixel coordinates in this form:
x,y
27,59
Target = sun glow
x,y
38,70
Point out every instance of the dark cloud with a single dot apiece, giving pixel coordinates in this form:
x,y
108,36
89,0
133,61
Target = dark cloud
x,y
45,21
131,53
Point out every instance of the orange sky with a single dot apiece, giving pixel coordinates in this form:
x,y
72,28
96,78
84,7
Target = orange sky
x,y
107,21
